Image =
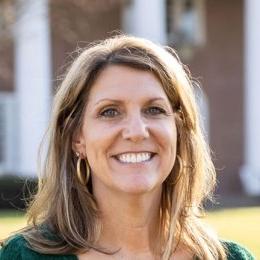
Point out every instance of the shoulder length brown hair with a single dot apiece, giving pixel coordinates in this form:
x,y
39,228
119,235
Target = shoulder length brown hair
x,y
68,210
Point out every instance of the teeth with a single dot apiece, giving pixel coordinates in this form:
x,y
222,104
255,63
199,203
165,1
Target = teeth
x,y
134,157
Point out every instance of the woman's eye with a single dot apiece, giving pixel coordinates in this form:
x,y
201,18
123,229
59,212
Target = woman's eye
x,y
110,113
155,111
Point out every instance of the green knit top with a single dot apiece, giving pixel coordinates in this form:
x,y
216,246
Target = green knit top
x,y
16,249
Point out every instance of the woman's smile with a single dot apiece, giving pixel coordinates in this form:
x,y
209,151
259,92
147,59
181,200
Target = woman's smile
x,y
134,157
135,160
129,132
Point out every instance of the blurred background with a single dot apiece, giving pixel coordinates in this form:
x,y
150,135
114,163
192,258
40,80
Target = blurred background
x,y
218,41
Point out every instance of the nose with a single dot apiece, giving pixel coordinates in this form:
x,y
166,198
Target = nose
x,y
135,128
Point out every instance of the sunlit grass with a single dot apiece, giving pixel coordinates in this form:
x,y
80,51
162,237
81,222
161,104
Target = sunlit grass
x,y
10,221
241,225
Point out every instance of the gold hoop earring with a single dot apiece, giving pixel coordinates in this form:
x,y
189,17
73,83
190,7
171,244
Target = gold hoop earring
x,y
87,171
83,180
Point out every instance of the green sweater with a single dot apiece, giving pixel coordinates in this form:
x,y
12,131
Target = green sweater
x,y
16,249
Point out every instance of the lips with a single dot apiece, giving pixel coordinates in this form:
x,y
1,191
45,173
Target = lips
x,y
134,157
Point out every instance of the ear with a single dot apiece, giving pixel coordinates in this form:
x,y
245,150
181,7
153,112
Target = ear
x,y
78,143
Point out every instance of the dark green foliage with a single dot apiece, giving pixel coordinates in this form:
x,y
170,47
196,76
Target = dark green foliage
x,y
16,192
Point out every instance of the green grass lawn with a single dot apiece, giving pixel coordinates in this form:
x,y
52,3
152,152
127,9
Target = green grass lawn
x,y
241,225
10,221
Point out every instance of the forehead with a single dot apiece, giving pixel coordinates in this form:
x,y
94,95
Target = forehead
x,y
123,82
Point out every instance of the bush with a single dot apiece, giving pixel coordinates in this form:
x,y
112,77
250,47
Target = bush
x,y
15,192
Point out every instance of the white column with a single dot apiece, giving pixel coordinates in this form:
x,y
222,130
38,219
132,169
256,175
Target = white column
x,y
250,172
146,18
33,84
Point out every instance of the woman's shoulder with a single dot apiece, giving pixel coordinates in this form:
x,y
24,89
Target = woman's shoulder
x,y
16,248
237,252
12,248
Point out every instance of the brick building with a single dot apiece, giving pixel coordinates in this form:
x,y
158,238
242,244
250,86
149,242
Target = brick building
x,y
218,40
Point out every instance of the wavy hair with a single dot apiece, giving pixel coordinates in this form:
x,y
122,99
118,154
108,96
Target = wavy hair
x,y
68,210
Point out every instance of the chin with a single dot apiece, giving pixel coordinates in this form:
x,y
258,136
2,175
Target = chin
x,y
138,187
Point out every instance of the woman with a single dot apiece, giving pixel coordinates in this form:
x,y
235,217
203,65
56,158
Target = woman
x,y
127,168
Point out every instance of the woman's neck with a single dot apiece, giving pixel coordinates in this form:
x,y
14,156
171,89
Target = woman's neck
x,y
130,222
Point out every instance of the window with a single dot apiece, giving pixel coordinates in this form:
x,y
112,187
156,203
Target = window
x,y
186,23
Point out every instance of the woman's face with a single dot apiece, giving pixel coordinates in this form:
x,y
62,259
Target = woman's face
x,y
129,132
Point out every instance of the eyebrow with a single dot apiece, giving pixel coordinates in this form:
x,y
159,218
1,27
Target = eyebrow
x,y
150,100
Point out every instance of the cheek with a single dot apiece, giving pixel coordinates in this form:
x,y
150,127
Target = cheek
x,y
167,139
167,135
97,140
169,146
